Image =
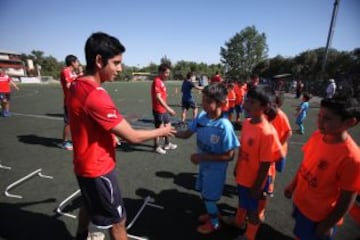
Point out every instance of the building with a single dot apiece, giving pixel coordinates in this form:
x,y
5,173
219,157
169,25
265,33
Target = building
x,y
12,64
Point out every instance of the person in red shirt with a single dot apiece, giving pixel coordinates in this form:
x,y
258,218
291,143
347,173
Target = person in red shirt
x,y
5,93
94,120
328,179
240,92
216,78
259,147
161,110
231,100
67,75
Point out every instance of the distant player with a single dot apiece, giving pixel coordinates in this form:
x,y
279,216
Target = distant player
x,y
5,93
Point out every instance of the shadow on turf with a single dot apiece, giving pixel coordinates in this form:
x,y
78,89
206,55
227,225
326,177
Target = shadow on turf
x,y
187,181
141,147
59,115
45,141
17,223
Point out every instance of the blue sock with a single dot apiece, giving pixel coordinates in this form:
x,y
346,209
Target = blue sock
x,y
212,210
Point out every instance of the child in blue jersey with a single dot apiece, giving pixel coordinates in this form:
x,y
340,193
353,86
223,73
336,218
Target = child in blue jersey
x,y
187,100
216,143
302,112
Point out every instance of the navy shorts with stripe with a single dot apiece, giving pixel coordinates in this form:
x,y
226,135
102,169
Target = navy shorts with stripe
x,y
102,199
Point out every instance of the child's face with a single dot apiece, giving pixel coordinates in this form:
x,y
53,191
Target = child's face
x,y
210,106
330,123
253,107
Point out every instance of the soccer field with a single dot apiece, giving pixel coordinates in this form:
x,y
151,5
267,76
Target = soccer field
x,y
30,140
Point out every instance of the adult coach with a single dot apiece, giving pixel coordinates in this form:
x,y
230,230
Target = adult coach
x,y
94,120
67,75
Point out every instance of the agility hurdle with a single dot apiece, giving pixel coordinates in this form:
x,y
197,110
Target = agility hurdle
x,y
12,185
147,202
5,167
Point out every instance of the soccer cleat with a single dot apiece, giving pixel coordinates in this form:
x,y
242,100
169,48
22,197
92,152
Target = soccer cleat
x,y
160,150
170,146
203,218
208,228
67,145
95,236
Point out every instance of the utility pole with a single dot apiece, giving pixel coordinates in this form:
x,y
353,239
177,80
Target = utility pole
x,y
330,36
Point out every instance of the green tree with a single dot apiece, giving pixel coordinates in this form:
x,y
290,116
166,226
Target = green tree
x,y
243,52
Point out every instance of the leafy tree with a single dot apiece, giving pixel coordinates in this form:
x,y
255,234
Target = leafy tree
x,y
243,52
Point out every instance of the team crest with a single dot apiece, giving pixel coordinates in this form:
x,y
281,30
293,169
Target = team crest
x,y
214,139
323,164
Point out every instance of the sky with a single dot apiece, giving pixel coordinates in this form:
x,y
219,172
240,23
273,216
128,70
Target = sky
x,y
190,30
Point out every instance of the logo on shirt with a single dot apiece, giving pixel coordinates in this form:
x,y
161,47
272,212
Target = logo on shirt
x,y
214,139
111,115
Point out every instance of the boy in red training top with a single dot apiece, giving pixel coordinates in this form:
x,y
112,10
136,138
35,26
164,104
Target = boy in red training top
x,y
328,178
260,146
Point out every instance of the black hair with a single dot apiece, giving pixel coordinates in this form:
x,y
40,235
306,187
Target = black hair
x,y
163,67
102,44
69,59
307,96
344,106
265,95
189,75
216,91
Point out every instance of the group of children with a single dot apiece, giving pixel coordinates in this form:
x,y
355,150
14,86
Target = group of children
x,y
324,187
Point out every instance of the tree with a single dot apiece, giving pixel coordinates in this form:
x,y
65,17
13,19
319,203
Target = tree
x,y
243,52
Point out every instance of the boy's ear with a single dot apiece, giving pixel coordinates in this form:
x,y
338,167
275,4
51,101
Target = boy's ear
x,y
351,122
98,61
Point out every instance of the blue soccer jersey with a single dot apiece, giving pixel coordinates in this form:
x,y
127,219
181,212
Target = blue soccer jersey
x,y
214,136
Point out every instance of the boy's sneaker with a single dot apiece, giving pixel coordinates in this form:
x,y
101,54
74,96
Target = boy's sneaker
x,y
6,114
67,145
95,236
160,150
207,228
170,146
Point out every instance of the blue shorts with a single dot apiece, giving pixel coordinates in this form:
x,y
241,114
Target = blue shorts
x,y
305,228
188,104
280,165
211,180
160,118
245,201
102,199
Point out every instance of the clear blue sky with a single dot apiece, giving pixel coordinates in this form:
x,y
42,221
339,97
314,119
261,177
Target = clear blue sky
x,y
190,30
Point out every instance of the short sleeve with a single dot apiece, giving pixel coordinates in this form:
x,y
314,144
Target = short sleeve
x,y
101,108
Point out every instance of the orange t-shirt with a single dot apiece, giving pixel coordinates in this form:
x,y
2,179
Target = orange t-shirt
x,y
232,98
324,171
240,93
225,106
259,143
282,125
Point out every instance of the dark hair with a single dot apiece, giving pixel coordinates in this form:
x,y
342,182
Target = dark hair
x,y
101,44
344,106
216,91
265,95
69,59
189,75
307,96
163,67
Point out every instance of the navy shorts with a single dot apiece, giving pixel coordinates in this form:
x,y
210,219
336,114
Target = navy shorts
x,y
188,104
160,118
102,199
238,109
305,228
245,200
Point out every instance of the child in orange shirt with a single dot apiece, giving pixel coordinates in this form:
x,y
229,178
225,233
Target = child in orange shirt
x,y
231,99
260,146
240,92
281,123
328,179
